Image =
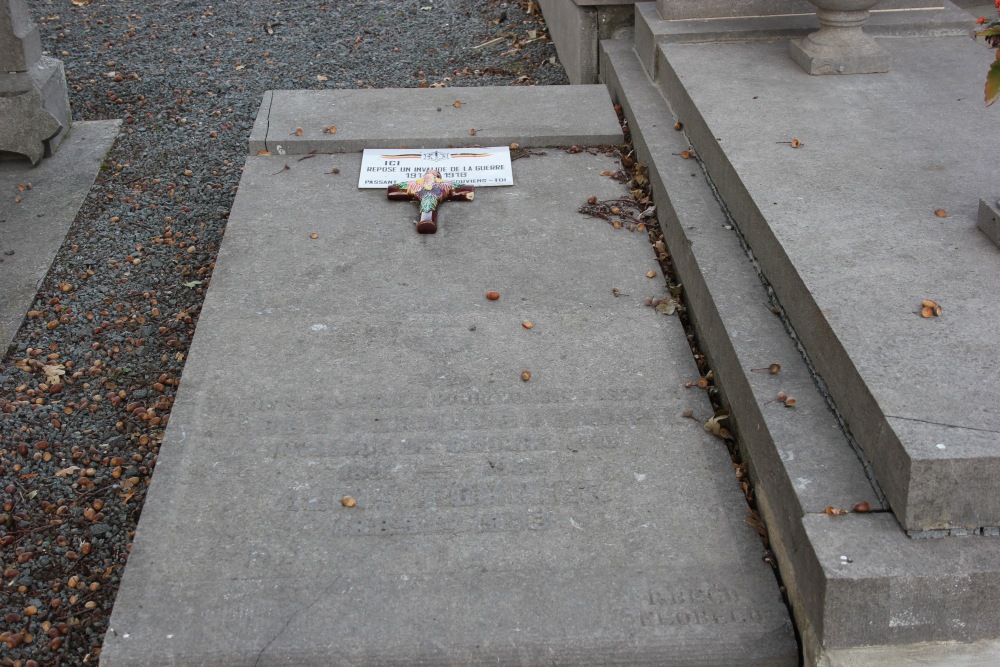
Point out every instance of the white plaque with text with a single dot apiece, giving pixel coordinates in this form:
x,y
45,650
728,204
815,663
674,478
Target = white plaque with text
x,y
481,167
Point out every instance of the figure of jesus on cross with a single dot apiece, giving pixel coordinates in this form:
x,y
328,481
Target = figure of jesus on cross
x,y
430,191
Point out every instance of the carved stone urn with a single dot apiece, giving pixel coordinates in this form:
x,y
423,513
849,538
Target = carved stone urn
x,y
840,46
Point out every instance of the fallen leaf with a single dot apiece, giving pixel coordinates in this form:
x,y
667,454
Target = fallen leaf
x,y
753,519
53,372
67,471
263,152
607,173
667,307
320,77
192,284
714,425
836,511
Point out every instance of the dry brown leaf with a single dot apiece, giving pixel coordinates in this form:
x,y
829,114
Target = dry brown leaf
x,y
67,471
714,426
836,511
753,519
263,152
53,372
320,77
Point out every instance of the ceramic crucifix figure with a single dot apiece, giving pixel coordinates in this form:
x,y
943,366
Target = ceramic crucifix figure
x,y
430,191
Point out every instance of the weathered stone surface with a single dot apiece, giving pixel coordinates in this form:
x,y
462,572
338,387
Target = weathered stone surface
x,y
34,106
989,220
864,593
25,125
576,518
708,9
20,44
651,29
576,26
542,116
873,228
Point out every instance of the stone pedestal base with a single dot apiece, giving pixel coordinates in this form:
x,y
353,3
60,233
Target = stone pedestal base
x,y
34,110
819,59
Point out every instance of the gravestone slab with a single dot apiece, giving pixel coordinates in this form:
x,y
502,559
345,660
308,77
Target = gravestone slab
x,y
574,518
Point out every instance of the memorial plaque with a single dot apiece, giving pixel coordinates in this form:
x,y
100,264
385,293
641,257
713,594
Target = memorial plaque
x,y
573,518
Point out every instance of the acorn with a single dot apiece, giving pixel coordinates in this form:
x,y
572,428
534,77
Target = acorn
x,y
493,296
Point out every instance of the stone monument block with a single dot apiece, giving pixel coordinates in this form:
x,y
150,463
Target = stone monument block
x,y
35,114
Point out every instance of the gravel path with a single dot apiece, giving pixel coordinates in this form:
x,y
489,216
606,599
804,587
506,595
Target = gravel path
x,y
87,387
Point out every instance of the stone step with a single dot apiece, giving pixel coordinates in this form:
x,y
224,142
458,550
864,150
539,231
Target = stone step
x,y
929,430
298,122
861,589
575,518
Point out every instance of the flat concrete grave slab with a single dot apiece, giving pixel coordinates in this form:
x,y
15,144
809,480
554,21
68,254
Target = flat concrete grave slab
x,y
845,229
575,518
418,118
33,229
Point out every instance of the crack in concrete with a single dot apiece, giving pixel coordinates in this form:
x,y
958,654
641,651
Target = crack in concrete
x,y
292,617
267,126
928,421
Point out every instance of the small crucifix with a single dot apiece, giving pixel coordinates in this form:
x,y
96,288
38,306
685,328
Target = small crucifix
x,y
430,191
